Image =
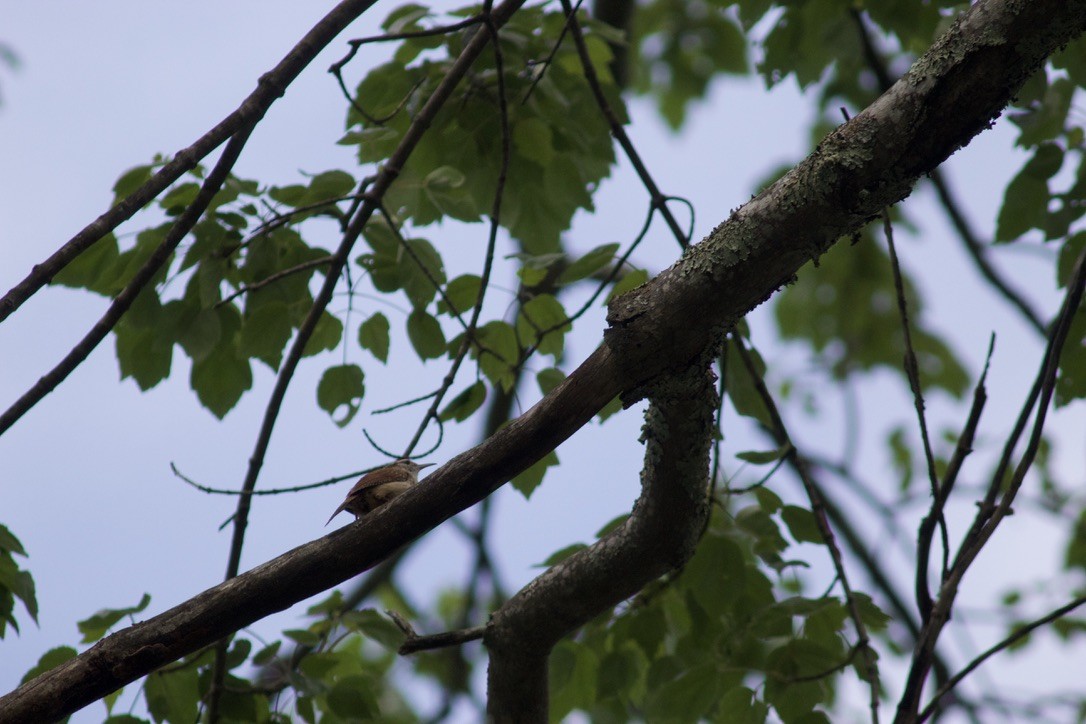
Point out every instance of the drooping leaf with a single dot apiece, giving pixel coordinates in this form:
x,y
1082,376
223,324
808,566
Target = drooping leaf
x,y
425,334
95,627
531,478
373,335
341,386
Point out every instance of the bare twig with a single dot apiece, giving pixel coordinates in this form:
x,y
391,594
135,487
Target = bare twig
x,y
136,284
991,651
272,85
389,172
912,371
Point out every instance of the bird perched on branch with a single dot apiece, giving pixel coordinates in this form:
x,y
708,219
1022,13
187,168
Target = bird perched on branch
x,y
379,486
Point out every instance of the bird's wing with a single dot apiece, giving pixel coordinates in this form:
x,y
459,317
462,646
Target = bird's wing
x,y
381,476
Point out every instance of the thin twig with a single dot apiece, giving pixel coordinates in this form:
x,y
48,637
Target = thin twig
x,y
271,86
946,197
136,284
990,513
659,200
912,371
1001,646
389,172
297,269
414,642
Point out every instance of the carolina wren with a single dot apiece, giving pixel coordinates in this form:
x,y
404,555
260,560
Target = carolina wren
x,y
379,486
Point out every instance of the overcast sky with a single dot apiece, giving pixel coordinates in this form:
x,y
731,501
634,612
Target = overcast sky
x,y
84,477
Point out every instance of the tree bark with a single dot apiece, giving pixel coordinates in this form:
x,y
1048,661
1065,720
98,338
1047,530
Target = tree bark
x,y
658,537
952,93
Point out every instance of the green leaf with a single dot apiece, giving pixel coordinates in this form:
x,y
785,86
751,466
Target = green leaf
x,y
49,661
94,269
172,696
329,185
201,333
220,378
144,353
267,654
755,457
533,139
1025,202
588,264
543,321
425,334
499,353
530,479
326,335
462,293
629,281
801,524
561,554
265,332
740,706
688,697
465,404
132,179
353,698
15,583
573,674
341,385
421,271
375,626
549,378
95,627
373,335
9,543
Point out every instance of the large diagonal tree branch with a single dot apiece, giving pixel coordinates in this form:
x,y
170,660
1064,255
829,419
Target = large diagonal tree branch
x,y
951,94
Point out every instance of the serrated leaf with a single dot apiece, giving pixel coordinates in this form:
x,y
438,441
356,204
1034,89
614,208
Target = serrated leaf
x,y
49,661
588,264
531,478
801,524
342,385
265,332
629,281
542,321
465,404
420,271
533,139
220,378
755,457
425,334
326,335
95,627
353,699
376,626
561,554
373,335
461,293
267,654
549,378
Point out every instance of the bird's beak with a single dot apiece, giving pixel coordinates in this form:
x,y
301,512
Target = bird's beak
x,y
426,465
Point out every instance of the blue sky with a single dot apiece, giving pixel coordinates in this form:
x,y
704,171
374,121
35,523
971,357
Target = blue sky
x,y
84,478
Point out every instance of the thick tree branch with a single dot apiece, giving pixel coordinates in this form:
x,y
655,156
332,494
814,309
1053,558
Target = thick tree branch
x,y
658,537
952,93
949,95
